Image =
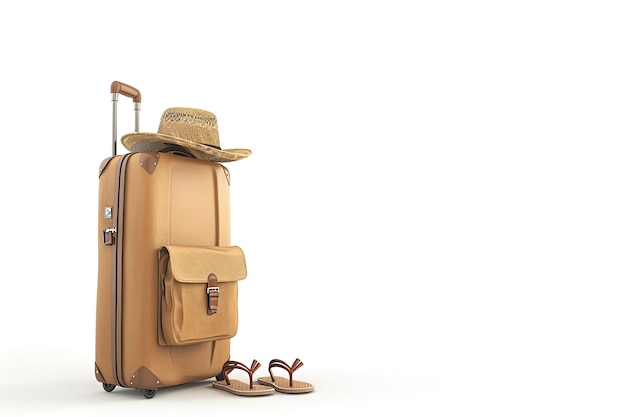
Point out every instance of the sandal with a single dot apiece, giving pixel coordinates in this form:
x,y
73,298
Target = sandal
x,y
286,385
238,387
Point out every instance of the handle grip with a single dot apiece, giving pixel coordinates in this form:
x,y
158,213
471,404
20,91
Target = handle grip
x,y
126,90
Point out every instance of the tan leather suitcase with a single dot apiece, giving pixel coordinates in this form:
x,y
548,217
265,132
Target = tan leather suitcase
x,y
163,230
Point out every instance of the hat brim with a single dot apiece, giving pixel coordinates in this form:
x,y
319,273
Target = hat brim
x,y
154,142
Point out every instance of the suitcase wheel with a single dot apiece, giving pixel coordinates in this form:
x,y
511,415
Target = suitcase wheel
x,y
220,376
108,387
149,393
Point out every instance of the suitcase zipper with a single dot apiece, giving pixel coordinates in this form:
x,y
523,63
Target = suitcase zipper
x,y
116,234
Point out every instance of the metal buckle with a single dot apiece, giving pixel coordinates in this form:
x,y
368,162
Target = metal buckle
x,y
212,289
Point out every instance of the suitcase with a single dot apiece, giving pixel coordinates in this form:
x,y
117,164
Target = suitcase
x,y
167,274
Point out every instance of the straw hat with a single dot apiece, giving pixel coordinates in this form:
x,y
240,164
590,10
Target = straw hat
x,y
193,129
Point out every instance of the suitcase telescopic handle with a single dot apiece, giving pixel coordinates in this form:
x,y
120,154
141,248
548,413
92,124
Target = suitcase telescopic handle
x,y
126,90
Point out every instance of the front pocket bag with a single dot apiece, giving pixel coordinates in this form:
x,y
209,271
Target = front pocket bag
x,y
198,293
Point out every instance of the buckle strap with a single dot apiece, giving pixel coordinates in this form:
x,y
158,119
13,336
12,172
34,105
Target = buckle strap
x,y
213,292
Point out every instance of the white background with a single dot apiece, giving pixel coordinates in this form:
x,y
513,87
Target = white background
x,y
433,214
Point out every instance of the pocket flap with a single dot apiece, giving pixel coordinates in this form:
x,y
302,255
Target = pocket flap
x,y
193,264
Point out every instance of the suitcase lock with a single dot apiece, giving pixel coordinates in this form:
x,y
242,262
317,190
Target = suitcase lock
x,y
108,236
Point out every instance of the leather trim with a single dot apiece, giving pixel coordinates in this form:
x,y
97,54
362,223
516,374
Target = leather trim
x,y
227,173
144,378
99,377
149,161
103,165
